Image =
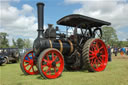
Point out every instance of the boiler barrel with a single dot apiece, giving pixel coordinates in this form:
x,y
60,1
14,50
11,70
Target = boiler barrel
x,y
65,47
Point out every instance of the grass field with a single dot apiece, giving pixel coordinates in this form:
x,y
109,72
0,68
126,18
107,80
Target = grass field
x,y
116,73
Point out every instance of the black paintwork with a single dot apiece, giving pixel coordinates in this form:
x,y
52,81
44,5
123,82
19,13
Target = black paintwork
x,y
42,41
50,32
77,20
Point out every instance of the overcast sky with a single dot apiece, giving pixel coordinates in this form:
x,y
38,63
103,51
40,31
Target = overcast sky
x,y
19,17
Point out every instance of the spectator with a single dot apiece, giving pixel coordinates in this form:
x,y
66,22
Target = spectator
x,y
127,50
124,50
112,50
109,53
115,51
121,51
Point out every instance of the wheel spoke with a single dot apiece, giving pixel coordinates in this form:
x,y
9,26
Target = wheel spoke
x,y
100,48
97,46
91,62
33,69
96,64
55,70
52,55
94,48
32,55
49,72
48,57
43,66
99,61
94,61
26,65
48,69
30,68
102,56
92,57
55,57
91,48
28,57
91,52
45,60
57,67
26,61
58,62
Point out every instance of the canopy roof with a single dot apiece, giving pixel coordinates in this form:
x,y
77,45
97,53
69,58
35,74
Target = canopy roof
x,y
77,20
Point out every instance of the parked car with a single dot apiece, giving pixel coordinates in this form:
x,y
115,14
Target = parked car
x,y
10,55
2,60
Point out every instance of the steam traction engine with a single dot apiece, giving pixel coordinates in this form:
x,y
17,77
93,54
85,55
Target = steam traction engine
x,y
79,50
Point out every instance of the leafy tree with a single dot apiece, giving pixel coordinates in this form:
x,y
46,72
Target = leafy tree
x,y
20,43
0,40
125,43
3,40
109,36
14,44
120,44
27,43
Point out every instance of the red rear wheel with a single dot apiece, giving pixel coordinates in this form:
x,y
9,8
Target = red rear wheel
x,y
28,65
50,63
96,55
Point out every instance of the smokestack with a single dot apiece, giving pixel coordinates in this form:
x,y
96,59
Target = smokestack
x,y
40,10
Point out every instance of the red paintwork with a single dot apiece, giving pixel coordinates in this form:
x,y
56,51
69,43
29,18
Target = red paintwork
x,y
52,71
98,63
28,64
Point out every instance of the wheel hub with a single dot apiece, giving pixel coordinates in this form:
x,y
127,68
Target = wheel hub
x,y
31,62
54,64
98,54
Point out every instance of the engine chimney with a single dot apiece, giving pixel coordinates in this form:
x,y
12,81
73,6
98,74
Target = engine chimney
x,y
40,10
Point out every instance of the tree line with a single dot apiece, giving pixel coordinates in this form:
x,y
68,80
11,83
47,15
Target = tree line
x,y
109,37
19,43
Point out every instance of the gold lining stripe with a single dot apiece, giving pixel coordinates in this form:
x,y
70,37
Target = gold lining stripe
x,y
61,46
50,43
71,50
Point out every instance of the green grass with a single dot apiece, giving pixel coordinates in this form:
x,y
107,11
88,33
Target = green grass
x,y
116,73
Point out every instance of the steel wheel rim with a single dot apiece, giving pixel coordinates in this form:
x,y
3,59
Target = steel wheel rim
x,y
98,56
50,62
28,63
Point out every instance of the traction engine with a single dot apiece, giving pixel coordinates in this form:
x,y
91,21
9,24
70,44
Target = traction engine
x,y
78,48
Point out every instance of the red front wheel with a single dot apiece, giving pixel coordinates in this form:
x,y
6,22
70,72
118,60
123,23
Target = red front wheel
x,y
50,63
27,64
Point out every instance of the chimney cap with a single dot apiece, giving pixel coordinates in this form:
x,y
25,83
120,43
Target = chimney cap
x,y
40,3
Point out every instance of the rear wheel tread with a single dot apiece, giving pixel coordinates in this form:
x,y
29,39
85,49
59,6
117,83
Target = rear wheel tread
x,y
85,55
